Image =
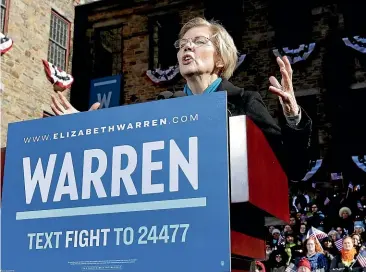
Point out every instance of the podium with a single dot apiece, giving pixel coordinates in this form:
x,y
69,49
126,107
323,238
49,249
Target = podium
x,y
251,190
259,191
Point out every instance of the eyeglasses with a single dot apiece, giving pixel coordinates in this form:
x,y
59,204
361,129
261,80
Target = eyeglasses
x,y
197,41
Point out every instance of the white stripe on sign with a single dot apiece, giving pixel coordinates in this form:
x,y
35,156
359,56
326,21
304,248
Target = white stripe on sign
x,y
116,208
105,83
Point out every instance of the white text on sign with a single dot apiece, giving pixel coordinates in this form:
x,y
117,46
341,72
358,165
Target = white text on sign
x,y
127,236
66,184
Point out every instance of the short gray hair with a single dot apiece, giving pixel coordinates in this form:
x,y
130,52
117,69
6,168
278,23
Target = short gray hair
x,y
222,40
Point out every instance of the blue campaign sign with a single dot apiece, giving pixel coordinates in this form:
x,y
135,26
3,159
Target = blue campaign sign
x,y
132,188
106,91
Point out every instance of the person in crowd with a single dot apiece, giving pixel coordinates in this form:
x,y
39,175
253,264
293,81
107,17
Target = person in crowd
x,y
269,235
314,254
304,220
359,228
294,222
357,242
329,249
287,230
300,201
301,237
346,221
269,251
341,232
278,261
207,57
316,218
346,261
344,229
270,229
304,265
292,249
298,217
334,235
361,203
276,233
259,267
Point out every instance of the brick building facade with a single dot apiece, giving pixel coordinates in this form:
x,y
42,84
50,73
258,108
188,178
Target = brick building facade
x,y
130,37
39,30
329,84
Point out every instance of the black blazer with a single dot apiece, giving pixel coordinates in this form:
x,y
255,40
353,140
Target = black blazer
x,y
290,144
336,265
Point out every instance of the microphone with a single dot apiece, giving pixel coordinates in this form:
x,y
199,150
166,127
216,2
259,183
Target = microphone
x,y
169,94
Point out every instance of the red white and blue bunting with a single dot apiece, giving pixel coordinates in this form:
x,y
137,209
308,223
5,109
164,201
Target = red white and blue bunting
x,y
357,43
360,161
315,165
295,55
5,43
60,79
159,76
336,176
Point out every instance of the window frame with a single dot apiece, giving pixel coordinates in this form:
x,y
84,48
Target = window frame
x,y
6,17
97,42
68,42
151,23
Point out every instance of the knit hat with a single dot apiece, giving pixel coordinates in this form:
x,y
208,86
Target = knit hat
x,y
345,209
276,231
359,224
305,263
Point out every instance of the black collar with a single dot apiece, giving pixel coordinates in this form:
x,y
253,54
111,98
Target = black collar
x,y
231,89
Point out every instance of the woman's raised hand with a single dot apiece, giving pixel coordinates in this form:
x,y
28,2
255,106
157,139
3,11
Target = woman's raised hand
x,y
61,106
285,90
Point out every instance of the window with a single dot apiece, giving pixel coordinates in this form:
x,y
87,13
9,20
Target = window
x,y
58,48
163,31
350,121
353,14
230,15
293,29
108,51
4,14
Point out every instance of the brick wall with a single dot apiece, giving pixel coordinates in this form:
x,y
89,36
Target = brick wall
x,y
27,92
257,42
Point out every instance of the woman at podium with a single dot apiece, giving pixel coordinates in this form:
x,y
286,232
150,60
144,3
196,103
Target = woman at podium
x,y
207,57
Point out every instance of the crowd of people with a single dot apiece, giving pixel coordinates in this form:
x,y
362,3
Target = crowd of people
x,y
326,232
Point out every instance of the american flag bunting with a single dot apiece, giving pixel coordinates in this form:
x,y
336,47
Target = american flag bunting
x,y
339,244
336,176
361,258
281,240
291,268
313,232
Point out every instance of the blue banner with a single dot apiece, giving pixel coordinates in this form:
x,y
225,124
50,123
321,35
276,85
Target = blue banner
x,y
106,91
133,188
